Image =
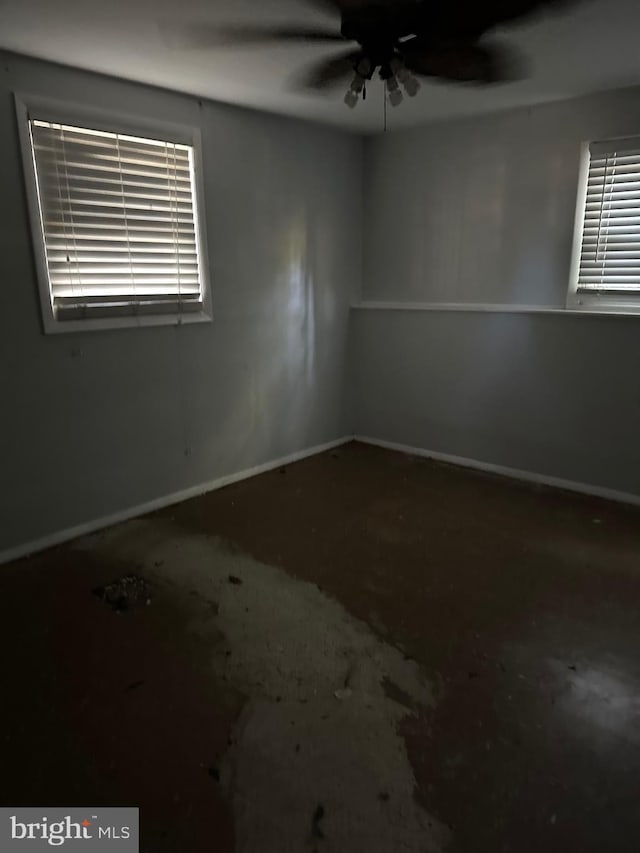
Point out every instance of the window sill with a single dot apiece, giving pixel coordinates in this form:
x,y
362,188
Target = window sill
x,y
491,308
94,324
585,303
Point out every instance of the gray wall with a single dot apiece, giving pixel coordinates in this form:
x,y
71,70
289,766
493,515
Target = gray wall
x,y
95,423
482,211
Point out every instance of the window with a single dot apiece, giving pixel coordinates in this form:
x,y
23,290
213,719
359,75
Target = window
x,y
606,274
117,221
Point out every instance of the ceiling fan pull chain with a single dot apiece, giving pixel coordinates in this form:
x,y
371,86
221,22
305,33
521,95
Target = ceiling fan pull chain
x,y
384,101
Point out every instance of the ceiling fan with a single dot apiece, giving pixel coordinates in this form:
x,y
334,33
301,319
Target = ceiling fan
x,y
400,39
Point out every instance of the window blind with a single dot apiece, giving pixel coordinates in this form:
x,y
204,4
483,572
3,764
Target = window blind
x,y
119,222
610,254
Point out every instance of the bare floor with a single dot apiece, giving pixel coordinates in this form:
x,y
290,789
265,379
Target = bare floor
x,y
364,651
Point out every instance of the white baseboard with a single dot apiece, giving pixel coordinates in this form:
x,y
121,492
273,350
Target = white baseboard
x,y
69,533
503,470
61,536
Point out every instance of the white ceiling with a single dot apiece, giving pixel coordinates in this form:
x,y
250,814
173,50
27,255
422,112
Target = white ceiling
x,y
591,47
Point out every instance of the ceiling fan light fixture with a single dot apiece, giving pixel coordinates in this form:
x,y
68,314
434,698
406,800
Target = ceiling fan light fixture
x,y
411,86
395,98
401,71
364,68
357,84
351,99
406,79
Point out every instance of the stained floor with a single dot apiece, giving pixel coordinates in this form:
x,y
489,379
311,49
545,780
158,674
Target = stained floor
x,y
484,634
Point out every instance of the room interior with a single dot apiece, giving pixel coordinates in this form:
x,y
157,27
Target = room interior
x,y
379,516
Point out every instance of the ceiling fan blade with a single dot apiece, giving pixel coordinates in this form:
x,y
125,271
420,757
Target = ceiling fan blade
x,y
470,19
260,35
327,5
463,62
340,6
496,12
329,72
240,36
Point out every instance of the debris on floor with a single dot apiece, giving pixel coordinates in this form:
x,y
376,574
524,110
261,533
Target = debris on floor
x,y
126,593
343,693
318,815
294,652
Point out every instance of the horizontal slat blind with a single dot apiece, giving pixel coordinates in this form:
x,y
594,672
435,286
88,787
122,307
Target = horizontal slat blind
x,y
119,222
610,256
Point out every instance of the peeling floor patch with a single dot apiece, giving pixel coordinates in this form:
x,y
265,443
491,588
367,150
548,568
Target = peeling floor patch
x,y
315,761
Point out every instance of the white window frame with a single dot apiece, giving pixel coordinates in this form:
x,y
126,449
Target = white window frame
x,y
62,112
604,303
